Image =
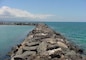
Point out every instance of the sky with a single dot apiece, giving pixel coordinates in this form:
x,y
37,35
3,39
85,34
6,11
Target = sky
x,y
43,10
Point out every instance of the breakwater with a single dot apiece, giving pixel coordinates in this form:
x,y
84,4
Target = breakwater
x,y
43,43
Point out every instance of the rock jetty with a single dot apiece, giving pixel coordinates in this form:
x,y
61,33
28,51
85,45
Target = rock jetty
x,y
43,43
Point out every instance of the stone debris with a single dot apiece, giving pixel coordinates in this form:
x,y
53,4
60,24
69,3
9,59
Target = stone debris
x,y
43,43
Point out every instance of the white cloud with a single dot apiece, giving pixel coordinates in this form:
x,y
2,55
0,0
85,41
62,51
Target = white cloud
x,y
7,12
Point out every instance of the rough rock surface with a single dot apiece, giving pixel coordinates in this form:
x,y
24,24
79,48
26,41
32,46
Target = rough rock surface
x,y
43,43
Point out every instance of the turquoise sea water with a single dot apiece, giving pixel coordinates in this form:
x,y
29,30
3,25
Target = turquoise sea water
x,y
74,31
13,35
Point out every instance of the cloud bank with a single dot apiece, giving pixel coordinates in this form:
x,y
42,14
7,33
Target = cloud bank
x,y
7,12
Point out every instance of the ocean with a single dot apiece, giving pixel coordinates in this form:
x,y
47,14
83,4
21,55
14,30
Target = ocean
x,y
12,35
73,31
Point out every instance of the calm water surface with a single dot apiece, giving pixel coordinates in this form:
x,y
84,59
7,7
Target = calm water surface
x,y
11,36
74,31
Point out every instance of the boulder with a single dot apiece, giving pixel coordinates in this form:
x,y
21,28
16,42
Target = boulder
x,y
28,53
71,53
42,47
50,40
17,57
32,44
61,44
19,52
51,47
53,51
30,48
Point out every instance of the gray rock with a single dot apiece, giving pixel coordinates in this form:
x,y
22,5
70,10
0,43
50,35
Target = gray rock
x,y
19,51
30,48
27,53
17,57
42,47
61,44
53,51
71,53
52,46
50,40
32,44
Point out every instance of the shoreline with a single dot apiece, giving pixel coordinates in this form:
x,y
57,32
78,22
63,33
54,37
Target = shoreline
x,y
43,42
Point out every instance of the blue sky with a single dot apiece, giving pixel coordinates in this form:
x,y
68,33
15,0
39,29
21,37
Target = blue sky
x,y
45,10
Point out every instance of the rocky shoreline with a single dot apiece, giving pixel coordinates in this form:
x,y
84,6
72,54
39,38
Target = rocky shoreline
x,y
43,43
